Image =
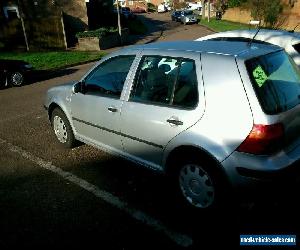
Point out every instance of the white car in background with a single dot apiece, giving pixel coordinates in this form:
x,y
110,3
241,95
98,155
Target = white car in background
x,y
163,7
290,41
194,6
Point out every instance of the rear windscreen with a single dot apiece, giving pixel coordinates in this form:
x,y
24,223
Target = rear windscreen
x,y
276,80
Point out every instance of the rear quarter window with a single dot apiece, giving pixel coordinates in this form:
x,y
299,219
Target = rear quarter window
x,y
297,47
276,80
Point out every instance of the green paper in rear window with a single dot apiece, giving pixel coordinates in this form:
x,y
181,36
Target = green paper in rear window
x,y
276,80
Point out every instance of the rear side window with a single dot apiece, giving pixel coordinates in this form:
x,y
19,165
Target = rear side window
x,y
297,47
276,80
166,81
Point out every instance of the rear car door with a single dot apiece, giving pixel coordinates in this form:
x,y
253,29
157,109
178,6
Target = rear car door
x,y
166,98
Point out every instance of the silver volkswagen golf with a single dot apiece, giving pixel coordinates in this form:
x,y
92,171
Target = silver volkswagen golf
x,y
212,114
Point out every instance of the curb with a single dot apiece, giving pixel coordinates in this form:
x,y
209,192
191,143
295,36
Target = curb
x,y
212,30
48,73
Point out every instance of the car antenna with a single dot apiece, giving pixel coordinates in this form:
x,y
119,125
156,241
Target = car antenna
x,y
292,31
252,22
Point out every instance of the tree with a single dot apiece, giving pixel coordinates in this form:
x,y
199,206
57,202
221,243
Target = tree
x,y
267,11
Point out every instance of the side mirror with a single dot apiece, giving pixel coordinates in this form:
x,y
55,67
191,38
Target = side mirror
x,y
77,87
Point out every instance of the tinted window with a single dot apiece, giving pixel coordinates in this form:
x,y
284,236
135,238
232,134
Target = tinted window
x,y
189,12
109,77
276,80
297,47
186,94
166,81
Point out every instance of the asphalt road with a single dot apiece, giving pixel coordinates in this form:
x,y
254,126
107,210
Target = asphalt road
x,y
54,197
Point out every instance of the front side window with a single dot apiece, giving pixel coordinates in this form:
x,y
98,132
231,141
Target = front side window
x,y
276,80
108,79
166,81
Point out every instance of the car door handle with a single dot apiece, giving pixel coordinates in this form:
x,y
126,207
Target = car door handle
x,y
174,121
112,109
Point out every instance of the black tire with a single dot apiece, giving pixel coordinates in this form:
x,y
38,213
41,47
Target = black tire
x,y
191,171
16,78
62,128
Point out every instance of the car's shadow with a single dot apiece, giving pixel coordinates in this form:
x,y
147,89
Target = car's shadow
x,y
269,212
43,75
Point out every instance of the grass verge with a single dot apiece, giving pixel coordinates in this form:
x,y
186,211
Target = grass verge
x,y
222,25
53,60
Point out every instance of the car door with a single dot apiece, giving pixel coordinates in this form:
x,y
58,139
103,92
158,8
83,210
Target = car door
x,y
166,98
96,109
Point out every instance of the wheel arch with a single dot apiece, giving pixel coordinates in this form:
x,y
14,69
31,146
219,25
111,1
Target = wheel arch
x,y
184,152
54,105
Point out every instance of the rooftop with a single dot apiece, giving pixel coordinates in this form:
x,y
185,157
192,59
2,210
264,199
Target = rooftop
x,y
215,47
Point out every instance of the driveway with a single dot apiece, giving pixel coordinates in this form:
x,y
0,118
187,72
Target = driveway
x,y
161,28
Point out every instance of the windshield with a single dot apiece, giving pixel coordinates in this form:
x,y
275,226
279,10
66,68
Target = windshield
x,y
189,12
276,80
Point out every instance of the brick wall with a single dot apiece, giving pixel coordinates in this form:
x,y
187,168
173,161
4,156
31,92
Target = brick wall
x,y
75,8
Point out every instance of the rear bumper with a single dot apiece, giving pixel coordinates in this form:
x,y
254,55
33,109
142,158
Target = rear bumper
x,y
286,174
245,170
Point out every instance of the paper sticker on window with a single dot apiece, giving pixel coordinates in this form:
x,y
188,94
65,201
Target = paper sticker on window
x,y
260,76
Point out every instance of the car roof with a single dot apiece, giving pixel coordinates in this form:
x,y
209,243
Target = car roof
x,y
272,36
212,47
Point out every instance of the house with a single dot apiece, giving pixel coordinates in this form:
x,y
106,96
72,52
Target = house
x,y
49,24
133,4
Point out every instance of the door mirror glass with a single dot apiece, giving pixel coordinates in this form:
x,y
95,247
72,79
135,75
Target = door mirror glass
x,y
76,87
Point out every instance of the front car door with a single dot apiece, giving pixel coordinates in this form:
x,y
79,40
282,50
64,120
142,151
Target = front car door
x,y
96,110
166,98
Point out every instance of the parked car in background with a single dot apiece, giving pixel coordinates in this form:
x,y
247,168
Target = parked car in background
x,y
176,15
194,6
290,41
188,16
138,10
161,8
212,115
14,72
127,13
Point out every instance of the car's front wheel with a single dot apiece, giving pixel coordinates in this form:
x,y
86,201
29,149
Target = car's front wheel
x,y
62,128
16,78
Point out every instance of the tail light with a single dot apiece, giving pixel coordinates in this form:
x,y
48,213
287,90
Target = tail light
x,y
263,139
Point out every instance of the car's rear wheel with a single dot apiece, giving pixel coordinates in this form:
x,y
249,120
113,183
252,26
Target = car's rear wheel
x,y
16,78
199,184
62,128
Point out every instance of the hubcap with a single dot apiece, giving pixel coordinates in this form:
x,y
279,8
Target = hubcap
x,y
196,186
60,129
17,78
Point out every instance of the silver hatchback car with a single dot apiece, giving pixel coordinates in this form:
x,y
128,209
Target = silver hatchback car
x,y
211,114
